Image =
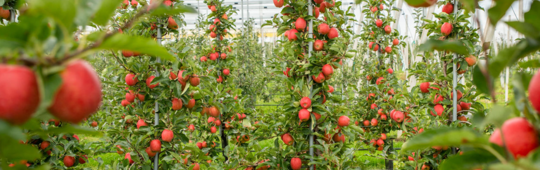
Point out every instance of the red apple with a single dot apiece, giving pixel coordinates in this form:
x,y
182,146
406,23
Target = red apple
x,y
176,104
379,23
141,123
388,49
303,115
446,28
149,80
324,28
395,42
327,70
292,35
167,135
300,24
155,145
424,87
279,3
333,33
343,121
534,91
19,94
319,79
128,157
287,139
69,161
131,79
387,29
305,102
79,96
330,89
318,45
520,137
296,163
172,24
130,97
448,8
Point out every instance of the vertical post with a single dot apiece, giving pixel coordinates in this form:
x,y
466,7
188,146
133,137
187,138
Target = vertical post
x,y
454,78
507,76
397,13
156,115
310,34
389,164
242,3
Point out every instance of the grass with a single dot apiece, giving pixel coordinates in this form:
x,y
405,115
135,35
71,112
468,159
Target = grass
x,y
107,158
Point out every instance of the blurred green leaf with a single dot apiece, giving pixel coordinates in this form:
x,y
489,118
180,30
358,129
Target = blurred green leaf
x,y
163,10
499,10
534,63
469,5
62,11
86,8
511,55
68,128
469,160
480,81
105,11
446,45
497,116
524,28
51,83
15,151
444,136
8,131
138,44
533,15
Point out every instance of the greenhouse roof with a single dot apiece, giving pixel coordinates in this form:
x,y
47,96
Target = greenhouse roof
x,y
262,10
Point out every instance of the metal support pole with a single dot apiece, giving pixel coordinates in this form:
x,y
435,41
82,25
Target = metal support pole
x,y
397,14
454,77
389,164
156,115
508,68
310,34
242,3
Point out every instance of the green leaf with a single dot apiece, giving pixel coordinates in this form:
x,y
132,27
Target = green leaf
x,y
2,2
480,81
526,29
62,11
13,150
511,55
415,2
105,11
534,63
469,5
86,9
445,136
163,10
447,45
469,160
499,10
17,37
497,116
138,44
51,83
8,131
68,128
533,15
186,49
